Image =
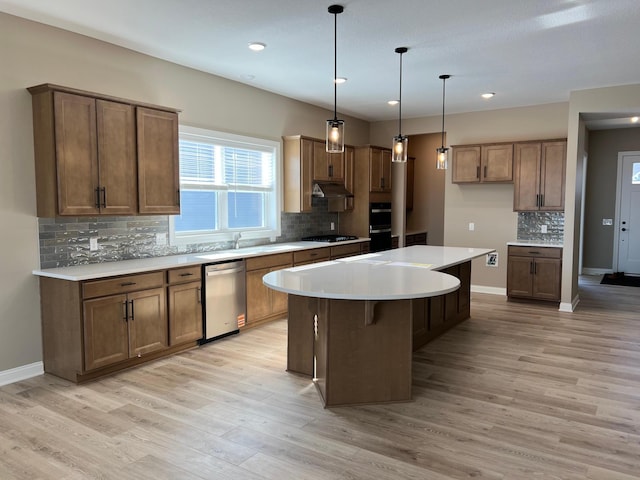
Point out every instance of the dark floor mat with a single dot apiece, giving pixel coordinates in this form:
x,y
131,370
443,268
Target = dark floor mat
x,y
620,279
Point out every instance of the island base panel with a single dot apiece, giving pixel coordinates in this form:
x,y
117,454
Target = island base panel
x,y
357,361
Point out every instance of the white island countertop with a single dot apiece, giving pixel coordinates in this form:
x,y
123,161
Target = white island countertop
x,y
398,274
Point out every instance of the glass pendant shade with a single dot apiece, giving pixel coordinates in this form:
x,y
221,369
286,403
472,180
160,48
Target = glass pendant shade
x,y
400,148
442,157
335,136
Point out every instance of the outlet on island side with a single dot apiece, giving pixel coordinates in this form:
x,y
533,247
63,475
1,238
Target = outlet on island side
x,y
332,226
492,259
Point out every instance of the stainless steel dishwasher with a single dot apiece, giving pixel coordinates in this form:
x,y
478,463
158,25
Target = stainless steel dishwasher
x,y
225,299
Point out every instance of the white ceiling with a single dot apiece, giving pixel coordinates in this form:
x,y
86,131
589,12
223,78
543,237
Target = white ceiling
x,y
526,51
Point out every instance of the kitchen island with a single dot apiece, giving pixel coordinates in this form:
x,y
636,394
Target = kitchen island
x,y
353,323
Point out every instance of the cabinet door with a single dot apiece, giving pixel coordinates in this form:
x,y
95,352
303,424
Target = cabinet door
x,y
519,276
158,164
379,170
337,165
552,175
386,170
258,295
526,186
185,313
117,158
546,278
497,163
105,331
465,166
76,154
147,322
375,170
279,300
320,162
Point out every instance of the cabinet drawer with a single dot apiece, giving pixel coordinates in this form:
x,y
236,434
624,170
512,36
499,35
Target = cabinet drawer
x,y
130,283
345,250
544,252
314,255
265,261
186,274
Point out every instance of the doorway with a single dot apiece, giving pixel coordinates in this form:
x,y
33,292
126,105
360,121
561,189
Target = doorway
x,y
627,234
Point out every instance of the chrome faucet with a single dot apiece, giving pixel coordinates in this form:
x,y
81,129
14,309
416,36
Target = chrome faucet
x,y
236,240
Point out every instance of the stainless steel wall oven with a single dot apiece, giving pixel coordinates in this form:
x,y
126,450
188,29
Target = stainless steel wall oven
x,y
380,226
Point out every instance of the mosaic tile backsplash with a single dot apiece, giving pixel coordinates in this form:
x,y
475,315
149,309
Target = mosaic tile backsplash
x,y
64,241
530,226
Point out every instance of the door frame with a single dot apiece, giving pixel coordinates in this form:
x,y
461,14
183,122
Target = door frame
x,y
616,222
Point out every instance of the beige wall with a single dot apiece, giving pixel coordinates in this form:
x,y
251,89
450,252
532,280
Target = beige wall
x,y
30,54
601,184
489,207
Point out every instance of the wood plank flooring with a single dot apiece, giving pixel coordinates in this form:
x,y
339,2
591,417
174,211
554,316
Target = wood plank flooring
x,y
519,391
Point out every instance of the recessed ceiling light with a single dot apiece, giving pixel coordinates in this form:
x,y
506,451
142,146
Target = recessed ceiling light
x,y
257,46
340,80
393,102
488,95
635,119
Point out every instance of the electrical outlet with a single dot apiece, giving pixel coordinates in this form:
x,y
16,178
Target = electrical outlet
x,y
607,221
543,228
161,239
492,259
93,244
333,226
472,226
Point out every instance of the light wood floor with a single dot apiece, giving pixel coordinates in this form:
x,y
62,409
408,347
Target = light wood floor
x,y
519,391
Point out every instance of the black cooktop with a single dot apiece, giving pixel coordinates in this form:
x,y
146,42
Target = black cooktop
x,y
329,238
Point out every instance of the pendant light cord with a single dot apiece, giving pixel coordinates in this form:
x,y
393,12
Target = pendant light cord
x,y
444,80
335,67
400,101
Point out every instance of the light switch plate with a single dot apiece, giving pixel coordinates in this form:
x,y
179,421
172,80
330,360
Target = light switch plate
x,y
472,226
607,221
93,244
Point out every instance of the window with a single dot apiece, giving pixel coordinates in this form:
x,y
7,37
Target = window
x,y
228,185
635,176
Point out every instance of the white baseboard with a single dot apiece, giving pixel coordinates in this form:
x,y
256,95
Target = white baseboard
x,y
21,373
596,271
569,307
490,290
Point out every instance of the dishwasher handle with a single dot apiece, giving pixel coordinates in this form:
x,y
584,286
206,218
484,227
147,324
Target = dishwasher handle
x,y
225,271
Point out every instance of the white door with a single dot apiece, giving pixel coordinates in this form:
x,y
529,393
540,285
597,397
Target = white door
x,y
629,218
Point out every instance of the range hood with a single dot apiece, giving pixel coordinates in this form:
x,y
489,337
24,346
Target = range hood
x,y
330,190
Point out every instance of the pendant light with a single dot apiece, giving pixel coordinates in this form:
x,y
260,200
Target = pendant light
x,y
441,162
335,127
400,142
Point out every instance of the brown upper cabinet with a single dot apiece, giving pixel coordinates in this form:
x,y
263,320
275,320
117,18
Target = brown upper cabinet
x,y
539,175
306,161
490,163
100,155
328,167
379,169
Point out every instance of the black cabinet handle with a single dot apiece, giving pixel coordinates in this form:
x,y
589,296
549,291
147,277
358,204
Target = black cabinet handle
x,y
542,199
478,172
199,293
132,310
485,172
531,267
330,170
186,274
127,284
97,192
125,304
104,197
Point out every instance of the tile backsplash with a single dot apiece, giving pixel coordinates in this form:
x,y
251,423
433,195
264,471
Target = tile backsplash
x,y
64,241
530,226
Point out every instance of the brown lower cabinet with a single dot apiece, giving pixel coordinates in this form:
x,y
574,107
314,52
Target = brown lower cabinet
x,y
95,327
534,273
434,316
263,303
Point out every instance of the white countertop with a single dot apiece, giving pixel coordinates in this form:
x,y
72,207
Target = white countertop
x,y
534,243
126,267
390,275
